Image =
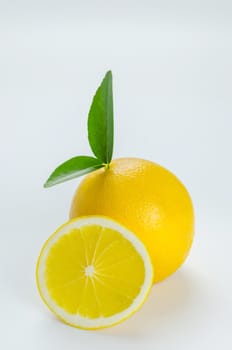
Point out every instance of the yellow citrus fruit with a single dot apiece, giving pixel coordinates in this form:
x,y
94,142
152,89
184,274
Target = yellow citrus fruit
x,y
149,200
93,272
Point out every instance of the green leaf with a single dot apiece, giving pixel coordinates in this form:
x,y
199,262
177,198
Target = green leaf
x,y
72,168
101,121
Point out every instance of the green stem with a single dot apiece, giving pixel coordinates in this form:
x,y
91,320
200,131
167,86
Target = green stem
x,y
107,166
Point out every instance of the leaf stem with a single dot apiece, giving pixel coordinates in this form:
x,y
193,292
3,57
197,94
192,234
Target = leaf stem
x,y
107,166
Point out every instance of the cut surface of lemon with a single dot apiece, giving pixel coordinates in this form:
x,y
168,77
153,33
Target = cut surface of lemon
x,y
93,272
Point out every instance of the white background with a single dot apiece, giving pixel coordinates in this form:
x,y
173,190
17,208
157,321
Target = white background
x,y
171,62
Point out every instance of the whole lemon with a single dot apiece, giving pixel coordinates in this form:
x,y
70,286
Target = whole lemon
x,y
149,200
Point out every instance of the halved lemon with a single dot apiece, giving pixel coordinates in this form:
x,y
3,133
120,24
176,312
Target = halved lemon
x,y
93,272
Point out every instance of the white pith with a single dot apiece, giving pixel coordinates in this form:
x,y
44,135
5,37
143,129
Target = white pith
x,y
89,270
78,320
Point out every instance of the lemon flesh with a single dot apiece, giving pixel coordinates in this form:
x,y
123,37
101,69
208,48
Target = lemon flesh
x,y
93,273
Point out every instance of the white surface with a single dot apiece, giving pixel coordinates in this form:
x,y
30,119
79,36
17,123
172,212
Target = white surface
x,y
171,62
